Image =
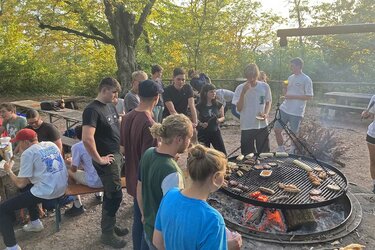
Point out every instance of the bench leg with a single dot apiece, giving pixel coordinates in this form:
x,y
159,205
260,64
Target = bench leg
x,y
57,215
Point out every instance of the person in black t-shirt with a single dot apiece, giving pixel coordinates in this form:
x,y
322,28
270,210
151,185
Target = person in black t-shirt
x,y
101,137
210,115
45,131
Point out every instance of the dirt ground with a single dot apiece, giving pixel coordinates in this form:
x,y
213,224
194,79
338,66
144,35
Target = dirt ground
x,y
83,232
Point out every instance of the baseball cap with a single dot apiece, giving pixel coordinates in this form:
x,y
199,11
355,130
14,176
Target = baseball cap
x,y
25,134
149,88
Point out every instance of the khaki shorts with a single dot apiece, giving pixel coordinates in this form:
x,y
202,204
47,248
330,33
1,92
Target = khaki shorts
x,y
80,177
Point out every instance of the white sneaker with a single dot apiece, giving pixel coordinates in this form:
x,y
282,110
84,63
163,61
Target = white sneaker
x,y
16,247
30,227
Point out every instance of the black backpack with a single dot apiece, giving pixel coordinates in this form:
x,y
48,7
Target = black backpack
x,y
49,105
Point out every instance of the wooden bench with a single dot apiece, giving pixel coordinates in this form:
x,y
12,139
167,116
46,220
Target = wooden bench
x,y
67,143
77,189
324,107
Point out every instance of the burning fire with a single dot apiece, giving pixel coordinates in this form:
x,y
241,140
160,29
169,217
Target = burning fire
x,y
263,219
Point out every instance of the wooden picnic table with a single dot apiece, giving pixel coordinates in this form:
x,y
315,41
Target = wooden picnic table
x,y
347,98
71,116
345,102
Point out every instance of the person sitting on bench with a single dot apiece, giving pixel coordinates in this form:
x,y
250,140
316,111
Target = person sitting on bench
x,y
43,172
88,176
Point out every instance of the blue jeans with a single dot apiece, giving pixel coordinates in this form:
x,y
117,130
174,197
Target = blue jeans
x,y
139,242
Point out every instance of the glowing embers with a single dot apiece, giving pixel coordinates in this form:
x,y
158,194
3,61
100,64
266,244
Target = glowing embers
x,y
263,219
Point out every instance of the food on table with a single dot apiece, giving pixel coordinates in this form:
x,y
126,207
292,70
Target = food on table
x,y
333,187
317,198
240,157
314,179
245,168
267,166
322,175
291,188
281,154
315,191
272,164
302,165
318,169
233,183
259,167
267,190
331,173
265,155
266,173
257,162
239,173
237,190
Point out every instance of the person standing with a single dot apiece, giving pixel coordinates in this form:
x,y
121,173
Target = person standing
x,y
136,138
298,91
101,138
184,219
156,74
253,100
131,99
225,97
159,171
45,131
42,175
210,115
179,99
370,113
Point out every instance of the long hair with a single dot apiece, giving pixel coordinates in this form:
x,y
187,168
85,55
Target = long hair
x,y
203,94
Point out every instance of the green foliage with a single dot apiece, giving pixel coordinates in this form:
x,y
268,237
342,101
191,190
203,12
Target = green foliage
x,y
216,37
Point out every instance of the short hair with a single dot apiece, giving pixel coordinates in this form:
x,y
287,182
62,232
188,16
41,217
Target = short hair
x,y
156,68
31,113
251,70
262,76
8,106
137,74
78,131
172,126
203,162
178,71
297,61
109,83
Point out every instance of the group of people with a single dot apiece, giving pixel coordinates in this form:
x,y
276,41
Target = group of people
x,y
143,142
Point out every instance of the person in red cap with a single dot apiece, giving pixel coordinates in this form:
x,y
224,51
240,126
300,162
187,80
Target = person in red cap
x,y
42,174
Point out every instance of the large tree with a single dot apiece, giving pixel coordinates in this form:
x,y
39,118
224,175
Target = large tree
x,y
119,23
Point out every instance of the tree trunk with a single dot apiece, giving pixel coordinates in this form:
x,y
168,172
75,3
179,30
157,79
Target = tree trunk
x,y
122,25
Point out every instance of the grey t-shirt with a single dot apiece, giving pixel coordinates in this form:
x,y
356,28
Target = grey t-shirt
x,y
131,101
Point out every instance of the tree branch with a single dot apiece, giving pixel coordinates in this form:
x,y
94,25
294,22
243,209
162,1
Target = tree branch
x,y
142,19
148,43
105,39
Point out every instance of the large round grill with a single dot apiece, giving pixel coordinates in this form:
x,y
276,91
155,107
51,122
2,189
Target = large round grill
x,y
288,173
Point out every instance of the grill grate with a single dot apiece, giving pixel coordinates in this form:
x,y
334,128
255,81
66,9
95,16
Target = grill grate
x,y
287,173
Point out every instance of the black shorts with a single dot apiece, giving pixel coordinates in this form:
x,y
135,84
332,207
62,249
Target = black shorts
x,y
370,139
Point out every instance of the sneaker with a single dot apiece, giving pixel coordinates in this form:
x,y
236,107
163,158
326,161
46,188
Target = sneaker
x,y
74,211
99,198
17,247
30,227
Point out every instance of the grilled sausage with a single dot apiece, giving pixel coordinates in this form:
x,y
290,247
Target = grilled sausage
x,y
265,155
240,157
267,190
281,154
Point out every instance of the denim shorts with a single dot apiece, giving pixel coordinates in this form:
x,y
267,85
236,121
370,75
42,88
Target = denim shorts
x,y
292,121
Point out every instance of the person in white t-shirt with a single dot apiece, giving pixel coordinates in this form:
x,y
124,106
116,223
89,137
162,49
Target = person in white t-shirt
x,y
43,171
225,97
88,176
369,113
298,91
253,100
